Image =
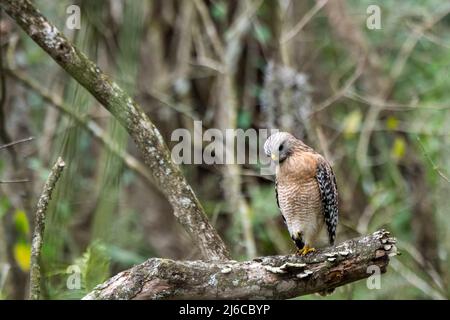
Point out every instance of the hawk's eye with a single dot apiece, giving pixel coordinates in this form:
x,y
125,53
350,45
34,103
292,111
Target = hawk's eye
x,y
280,148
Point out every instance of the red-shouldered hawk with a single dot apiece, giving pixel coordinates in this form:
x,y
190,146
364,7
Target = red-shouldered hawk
x,y
305,188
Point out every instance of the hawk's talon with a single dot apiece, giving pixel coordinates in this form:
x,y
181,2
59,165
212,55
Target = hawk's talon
x,y
305,251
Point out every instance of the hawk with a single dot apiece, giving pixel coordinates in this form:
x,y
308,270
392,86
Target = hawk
x,y
305,188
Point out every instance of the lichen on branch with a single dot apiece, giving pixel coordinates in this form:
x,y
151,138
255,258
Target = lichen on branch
x,y
39,227
168,176
273,277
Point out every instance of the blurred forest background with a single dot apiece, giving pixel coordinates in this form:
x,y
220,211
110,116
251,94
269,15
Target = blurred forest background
x,y
374,102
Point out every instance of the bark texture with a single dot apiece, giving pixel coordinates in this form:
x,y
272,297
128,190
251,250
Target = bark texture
x,y
39,227
147,137
273,277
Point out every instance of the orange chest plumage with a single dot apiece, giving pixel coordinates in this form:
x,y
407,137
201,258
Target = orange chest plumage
x,y
298,191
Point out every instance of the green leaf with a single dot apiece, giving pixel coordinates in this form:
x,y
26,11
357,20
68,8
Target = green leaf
x,y
244,119
21,222
219,11
22,255
263,201
94,265
4,206
398,149
392,123
262,34
352,122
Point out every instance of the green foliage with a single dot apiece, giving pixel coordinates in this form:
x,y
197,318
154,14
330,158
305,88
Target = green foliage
x,y
94,265
219,10
94,220
21,222
21,248
4,206
244,119
123,256
262,34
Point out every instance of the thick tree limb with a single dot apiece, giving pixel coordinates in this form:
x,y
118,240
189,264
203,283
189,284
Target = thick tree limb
x,y
39,226
169,177
274,277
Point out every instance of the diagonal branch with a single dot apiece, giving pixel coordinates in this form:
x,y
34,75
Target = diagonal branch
x,y
274,277
147,137
16,142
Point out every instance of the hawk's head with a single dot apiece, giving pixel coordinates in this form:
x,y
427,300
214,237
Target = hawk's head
x,y
279,146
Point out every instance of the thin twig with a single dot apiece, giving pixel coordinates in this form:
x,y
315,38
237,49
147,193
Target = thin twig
x,y
303,22
15,142
228,53
14,181
181,108
419,258
168,175
39,226
416,281
4,135
241,23
210,28
345,88
435,167
411,42
2,83
89,125
397,69
227,118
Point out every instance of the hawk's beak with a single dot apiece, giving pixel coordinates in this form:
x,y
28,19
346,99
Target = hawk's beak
x,y
274,157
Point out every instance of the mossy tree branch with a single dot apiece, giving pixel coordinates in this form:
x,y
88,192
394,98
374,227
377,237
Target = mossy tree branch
x,y
149,141
274,277
39,227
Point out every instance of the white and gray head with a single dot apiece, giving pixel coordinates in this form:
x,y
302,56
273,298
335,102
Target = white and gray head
x,y
279,146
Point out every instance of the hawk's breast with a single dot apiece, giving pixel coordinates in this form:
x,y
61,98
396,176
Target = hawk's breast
x,y
299,195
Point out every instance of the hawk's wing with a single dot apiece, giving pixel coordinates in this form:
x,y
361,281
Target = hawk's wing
x,y
278,202
276,193
328,193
